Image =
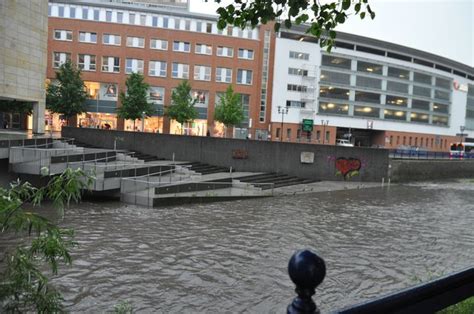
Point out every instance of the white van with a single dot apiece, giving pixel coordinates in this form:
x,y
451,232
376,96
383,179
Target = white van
x,y
341,142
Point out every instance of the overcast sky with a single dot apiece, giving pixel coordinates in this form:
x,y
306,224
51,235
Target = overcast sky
x,y
442,27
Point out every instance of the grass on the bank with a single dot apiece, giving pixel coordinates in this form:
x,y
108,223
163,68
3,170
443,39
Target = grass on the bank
x,y
464,307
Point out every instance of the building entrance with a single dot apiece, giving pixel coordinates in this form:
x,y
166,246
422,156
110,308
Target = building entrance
x,y
362,137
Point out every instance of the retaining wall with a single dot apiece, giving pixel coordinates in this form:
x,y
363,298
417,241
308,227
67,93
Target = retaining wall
x,y
405,170
330,162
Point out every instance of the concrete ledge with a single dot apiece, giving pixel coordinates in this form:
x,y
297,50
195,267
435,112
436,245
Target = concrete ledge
x,y
423,170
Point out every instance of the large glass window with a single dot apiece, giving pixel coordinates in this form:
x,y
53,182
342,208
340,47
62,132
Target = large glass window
x,y
88,37
443,83
111,64
180,70
419,117
299,55
157,94
440,108
159,44
368,82
60,58
328,107
335,77
369,67
157,68
245,54
395,115
202,73
62,35
442,95
421,91
439,120
364,111
295,104
336,62
86,62
398,73
367,97
203,49
422,78
133,66
397,87
225,51
420,104
298,72
333,92
136,42
109,39
396,101
224,75
181,46
244,77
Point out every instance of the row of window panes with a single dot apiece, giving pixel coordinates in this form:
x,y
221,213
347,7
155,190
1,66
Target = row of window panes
x,y
424,142
156,68
374,68
373,112
139,42
135,18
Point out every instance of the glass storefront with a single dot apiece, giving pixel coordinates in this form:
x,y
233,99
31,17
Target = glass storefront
x,y
197,128
98,120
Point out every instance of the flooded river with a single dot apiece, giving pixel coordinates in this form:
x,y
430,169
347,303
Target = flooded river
x,y
232,257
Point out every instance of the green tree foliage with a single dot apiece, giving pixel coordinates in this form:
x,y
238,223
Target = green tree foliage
x,y
229,111
23,285
182,104
16,106
321,18
68,95
135,102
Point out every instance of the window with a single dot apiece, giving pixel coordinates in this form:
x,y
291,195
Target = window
x,y
61,11
62,35
395,115
420,104
443,83
142,19
442,95
335,77
131,18
440,108
180,71
295,104
299,72
133,66
368,67
421,91
154,21
156,94
109,39
87,37
136,42
119,17
108,16
224,75
187,25
277,135
327,107
165,22
111,64
440,120
96,14
60,58
244,77
366,111
336,62
159,44
333,92
367,97
299,55
177,23
297,88
86,62
396,101
202,97
203,49
72,12
397,87
181,46
398,73
202,73
209,28
225,51
368,82
245,54
422,78
198,26
85,13
157,68
288,134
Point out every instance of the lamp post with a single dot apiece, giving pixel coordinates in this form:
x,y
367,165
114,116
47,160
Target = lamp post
x,y
324,123
462,128
282,111
143,121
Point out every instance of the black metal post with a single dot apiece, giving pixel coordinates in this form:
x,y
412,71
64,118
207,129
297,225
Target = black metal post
x,y
307,270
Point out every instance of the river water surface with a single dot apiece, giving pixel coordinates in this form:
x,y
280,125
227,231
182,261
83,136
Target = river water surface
x,y
232,257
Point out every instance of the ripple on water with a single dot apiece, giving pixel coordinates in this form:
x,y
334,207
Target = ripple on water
x,y
232,257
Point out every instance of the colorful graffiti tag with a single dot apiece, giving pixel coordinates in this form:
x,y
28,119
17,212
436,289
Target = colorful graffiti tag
x,y
347,167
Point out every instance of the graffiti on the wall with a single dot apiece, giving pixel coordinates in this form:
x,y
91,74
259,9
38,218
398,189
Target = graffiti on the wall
x,y
347,167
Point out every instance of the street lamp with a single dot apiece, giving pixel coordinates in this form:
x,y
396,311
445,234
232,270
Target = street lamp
x,y
143,121
324,123
462,128
282,111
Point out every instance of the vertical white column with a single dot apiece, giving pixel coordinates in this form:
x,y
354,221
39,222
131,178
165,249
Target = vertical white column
x,y
38,117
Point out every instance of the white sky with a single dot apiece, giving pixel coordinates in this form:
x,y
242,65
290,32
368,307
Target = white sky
x,y
442,27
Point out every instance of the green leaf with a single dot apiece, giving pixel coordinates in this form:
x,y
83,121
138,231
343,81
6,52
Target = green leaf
x,y
362,15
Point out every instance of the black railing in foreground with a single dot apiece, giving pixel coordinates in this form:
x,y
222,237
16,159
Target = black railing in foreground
x,y
421,154
307,270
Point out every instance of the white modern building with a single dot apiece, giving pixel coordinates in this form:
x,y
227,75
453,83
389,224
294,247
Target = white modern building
x,y
372,92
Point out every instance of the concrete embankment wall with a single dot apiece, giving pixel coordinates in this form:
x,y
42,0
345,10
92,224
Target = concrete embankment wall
x,y
424,170
330,162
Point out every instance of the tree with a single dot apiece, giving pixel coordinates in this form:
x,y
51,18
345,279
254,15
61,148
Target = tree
x,y
23,286
321,19
67,96
229,111
135,103
182,105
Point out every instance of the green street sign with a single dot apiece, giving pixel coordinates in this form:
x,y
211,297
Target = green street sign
x,y
308,125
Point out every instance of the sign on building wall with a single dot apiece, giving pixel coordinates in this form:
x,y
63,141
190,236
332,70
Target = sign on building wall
x,y
108,91
307,157
308,125
460,87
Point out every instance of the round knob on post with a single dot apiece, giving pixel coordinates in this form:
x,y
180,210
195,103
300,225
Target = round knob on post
x,y
307,270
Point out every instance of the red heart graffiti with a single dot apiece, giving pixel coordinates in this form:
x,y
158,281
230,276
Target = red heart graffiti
x,y
347,165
